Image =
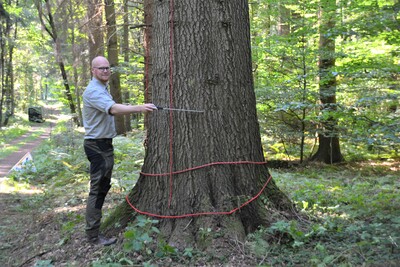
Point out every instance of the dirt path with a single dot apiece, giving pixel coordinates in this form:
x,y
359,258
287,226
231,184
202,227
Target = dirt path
x,y
9,162
40,227
51,115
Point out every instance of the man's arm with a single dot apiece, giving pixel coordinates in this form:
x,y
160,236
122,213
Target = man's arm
x,y
120,109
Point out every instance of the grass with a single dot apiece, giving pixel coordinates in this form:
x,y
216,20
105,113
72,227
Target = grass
x,y
354,214
18,127
8,134
8,149
352,210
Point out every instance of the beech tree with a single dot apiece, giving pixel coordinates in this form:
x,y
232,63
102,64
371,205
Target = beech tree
x,y
203,169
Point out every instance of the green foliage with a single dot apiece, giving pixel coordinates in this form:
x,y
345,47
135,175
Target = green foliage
x,y
129,156
353,211
17,127
69,224
138,236
285,40
61,158
353,216
205,237
144,244
349,213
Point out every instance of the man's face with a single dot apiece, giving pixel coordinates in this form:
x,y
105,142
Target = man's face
x,y
101,71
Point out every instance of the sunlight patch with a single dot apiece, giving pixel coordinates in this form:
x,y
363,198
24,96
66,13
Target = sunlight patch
x,y
7,186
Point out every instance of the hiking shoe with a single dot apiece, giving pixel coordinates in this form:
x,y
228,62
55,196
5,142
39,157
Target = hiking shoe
x,y
102,240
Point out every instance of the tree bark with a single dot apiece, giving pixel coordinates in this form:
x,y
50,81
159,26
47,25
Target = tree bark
x,y
205,66
76,59
125,45
328,136
112,51
95,31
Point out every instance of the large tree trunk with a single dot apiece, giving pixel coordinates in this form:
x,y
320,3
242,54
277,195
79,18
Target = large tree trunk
x,y
208,67
112,51
328,137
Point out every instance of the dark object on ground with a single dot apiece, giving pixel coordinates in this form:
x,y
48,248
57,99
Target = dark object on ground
x,y
282,164
35,114
102,240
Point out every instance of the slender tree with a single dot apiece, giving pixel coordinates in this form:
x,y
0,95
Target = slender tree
x,y
147,40
112,51
328,136
76,51
6,52
125,45
47,21
201,59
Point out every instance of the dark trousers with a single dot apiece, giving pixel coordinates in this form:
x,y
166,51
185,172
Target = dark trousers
x,y
100,153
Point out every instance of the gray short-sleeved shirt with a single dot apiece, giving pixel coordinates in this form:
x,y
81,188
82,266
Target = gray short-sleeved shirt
x,y
97,120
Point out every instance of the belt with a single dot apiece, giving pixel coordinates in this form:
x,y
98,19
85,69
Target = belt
x,y
99,139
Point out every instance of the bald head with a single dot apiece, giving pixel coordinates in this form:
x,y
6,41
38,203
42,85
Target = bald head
x,y
99,61
101,69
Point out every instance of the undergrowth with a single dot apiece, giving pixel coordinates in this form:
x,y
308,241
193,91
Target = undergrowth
x,y
353,210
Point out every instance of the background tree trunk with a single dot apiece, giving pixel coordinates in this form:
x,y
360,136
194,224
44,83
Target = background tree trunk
x,y
112,51
95,30
147,40
75,55
211,71
126,94
328,139
6,66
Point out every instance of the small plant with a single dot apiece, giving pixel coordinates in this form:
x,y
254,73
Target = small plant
x,y
139,236
69,225
205,237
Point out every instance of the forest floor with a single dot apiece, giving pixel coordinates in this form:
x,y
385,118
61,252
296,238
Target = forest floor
x,y
42,224
32,226
39,222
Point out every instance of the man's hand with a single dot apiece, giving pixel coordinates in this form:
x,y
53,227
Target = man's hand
x,y
149,107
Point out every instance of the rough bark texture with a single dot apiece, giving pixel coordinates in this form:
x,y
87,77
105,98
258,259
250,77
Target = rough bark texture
x,y
147,39
211,72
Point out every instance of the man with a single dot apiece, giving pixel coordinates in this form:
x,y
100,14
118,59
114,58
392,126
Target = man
x,y
98,119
